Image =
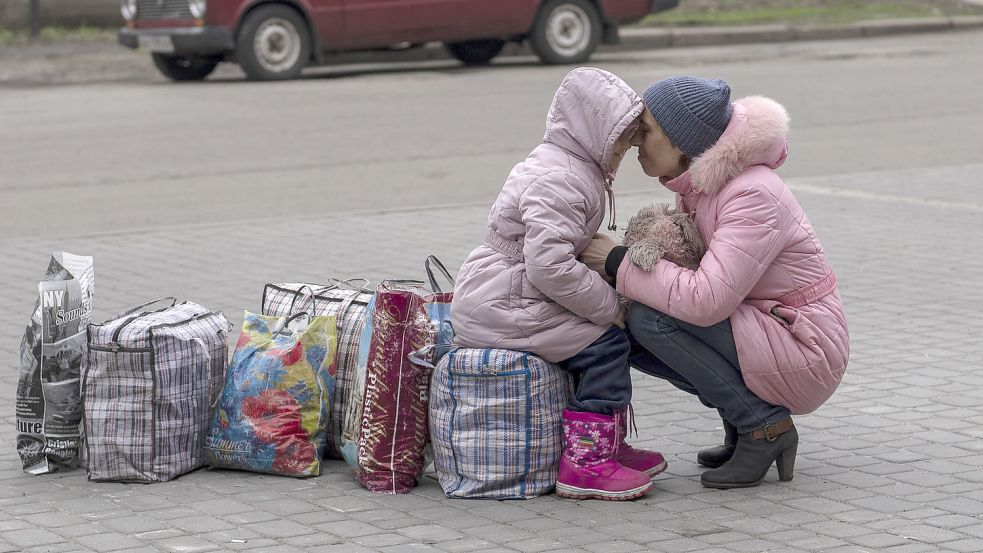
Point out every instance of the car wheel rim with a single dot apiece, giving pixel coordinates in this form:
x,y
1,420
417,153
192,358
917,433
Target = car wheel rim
x,y
277,45
568,30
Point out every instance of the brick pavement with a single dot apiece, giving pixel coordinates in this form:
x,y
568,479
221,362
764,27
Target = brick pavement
x,y
892,463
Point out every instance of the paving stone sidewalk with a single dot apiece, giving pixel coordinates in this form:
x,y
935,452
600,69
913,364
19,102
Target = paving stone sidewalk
x,y
892,463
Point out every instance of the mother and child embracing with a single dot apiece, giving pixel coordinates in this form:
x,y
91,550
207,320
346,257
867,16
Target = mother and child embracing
x,y
755,329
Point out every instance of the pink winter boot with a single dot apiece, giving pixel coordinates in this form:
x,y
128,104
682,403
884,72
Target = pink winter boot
x,y
642,460
588,469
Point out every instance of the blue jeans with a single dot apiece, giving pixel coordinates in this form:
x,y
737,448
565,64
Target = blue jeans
x,y
701,361
602,374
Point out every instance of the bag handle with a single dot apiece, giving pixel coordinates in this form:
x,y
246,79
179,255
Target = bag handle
x,y
345,306
149,303
217,395
299,294
334,284
424,357
347,283
434,287
208,367
286,322
389,283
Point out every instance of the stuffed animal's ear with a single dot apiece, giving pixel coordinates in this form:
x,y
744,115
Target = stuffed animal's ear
x,y
644,254
638,224
663,210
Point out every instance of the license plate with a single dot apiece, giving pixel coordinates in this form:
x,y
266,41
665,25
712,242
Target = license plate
x,y
157,43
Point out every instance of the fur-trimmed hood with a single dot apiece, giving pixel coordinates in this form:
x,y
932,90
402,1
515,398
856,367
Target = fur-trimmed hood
x,y
756,135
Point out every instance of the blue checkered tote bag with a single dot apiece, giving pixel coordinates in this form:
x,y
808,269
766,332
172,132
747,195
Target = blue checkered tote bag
x,y
496,423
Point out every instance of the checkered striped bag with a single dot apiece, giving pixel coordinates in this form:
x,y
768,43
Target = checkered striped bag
x,y
147,392
347,304
496,423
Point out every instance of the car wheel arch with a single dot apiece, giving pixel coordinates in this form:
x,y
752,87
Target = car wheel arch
x,y
596,3
550,49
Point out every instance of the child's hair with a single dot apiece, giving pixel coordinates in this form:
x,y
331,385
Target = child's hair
x,y
684,161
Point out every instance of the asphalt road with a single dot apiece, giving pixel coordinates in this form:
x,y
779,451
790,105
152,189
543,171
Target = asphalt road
x,y
110,156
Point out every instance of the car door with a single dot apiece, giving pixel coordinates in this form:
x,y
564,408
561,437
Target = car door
x,y
328,18
498,18
378,23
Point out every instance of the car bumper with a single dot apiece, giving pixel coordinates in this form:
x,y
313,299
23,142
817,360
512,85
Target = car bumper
x,y
203,41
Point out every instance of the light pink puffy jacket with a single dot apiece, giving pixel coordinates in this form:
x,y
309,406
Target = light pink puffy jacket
x,y
762,253
523,289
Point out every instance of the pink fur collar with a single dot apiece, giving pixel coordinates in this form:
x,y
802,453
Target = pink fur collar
x,y
757,135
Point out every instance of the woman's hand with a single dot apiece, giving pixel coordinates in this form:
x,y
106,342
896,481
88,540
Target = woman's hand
x,y
619,317
596,254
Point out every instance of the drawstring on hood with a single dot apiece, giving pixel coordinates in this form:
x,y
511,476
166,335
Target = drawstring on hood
x,y
608,166
612,211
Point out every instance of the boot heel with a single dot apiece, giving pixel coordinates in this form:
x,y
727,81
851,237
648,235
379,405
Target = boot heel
x,y
786,463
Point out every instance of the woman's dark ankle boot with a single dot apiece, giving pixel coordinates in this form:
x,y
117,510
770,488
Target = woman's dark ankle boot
x,y
717,455
755,452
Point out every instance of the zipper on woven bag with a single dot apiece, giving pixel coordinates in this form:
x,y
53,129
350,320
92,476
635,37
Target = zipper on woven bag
x,y
113,344
113,347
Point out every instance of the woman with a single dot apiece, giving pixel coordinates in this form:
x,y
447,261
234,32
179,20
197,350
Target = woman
x,y
758,330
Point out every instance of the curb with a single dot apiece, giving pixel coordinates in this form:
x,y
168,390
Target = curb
x,y
650,38
640,38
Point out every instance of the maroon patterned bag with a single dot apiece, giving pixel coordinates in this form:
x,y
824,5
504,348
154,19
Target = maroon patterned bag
x,y
393,428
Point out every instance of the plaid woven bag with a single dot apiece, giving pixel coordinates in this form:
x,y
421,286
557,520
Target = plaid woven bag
x,y
496,423
347,304
147,392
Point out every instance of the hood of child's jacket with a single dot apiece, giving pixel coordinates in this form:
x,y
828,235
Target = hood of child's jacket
x,y
590,111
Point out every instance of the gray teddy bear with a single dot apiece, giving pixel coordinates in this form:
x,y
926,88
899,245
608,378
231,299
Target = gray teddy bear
x,y
660,232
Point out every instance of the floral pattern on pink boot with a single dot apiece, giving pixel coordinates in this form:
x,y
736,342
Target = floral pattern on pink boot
x,y
588,469
585,442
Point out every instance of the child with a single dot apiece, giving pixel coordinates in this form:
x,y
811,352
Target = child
x,y
524,289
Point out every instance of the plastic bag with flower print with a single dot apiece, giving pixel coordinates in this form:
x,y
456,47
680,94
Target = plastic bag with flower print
x,y
273,412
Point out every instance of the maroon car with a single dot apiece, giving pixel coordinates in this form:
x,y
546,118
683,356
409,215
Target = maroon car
x,y
275,39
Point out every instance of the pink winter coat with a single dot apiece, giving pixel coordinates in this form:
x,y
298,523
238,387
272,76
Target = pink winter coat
x,y
523,288
762,253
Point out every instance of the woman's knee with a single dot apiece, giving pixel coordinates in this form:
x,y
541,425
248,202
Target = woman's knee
x,y
644,320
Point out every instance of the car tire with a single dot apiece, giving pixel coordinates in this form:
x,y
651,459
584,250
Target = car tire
x,y
273,43
566,31
181,68
475,52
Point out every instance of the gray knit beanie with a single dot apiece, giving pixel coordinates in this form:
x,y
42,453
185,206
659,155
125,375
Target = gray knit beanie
x,y
692,112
